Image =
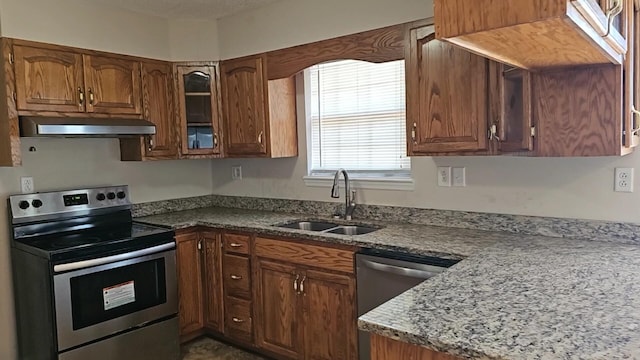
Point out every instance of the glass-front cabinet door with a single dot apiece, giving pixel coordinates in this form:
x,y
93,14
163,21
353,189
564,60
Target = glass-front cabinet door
x,y
199,110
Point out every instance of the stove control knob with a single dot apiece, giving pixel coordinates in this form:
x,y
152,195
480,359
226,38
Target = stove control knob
x,y
36,203
100,197
24,205
111,195
121,195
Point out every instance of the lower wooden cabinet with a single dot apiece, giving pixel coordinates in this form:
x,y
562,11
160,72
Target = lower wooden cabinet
x,y
213,309
190,309
384,348
304,312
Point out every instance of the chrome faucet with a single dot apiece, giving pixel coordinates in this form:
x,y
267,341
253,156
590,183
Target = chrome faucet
x,y
350,195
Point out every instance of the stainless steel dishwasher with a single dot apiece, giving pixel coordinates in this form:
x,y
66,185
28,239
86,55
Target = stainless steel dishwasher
x,y
385,275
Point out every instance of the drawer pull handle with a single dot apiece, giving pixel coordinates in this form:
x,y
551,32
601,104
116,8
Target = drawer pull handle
x,y
236,277
235,245
237,320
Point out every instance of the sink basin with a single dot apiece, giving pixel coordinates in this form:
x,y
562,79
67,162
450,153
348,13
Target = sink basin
x,y
328,227
310,225
352,230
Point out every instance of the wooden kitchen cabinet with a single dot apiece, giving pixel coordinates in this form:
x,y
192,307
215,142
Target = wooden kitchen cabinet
x,y
213,294
446,96
158,108
536,34
260,114
190,291
55,79
306,304
384,348
237,283
199,110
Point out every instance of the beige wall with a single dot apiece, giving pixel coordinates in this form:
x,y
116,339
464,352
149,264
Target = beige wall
x,y
294,22
68,163
193,40
566,187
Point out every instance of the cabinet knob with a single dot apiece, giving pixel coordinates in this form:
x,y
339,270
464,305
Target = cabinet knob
x,y
236,277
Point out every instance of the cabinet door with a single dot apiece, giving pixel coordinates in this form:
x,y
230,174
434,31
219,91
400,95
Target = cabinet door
x,y
189,283
112,85
213,303
245,106
330,330
48,80
199,111
157,98
277,311
446,96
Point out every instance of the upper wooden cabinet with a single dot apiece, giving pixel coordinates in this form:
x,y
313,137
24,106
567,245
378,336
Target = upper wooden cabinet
x,y
537,34
112,85
158,107
49,79
256,108
446,96
199,109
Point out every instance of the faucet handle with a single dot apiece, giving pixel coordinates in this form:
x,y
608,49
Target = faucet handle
x,y
353,196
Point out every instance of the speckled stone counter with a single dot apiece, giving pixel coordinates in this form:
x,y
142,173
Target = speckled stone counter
x,y
513,296
445,242
533,299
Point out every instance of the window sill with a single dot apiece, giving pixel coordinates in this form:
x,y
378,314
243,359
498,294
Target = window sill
x,y
373,184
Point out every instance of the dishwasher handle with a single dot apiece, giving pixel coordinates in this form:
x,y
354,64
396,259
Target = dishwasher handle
x,y
398,270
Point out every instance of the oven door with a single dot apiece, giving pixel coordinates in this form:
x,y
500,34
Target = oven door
x,y
109,295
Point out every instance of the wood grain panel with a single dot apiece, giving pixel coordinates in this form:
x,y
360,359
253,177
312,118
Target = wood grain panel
x,y
383,348
446,96
245,104
158,107
49,80
113,84
513,114
278,328
190,312
330,316
237,276
585,123
380,45
532,35
236,243
238,320
9,129
213,295
283,127
309,255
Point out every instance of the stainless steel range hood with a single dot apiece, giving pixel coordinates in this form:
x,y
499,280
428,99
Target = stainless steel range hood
x,y
35,126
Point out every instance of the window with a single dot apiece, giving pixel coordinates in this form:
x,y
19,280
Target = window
x,y
357,119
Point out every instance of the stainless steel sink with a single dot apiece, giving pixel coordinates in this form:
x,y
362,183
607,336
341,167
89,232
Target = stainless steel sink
x,y
310,225
327,227
352,230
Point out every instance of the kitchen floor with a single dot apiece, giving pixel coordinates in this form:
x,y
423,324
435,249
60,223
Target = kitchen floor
x,y
209,349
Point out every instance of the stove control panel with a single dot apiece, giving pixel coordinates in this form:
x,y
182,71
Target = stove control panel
x,y
24,207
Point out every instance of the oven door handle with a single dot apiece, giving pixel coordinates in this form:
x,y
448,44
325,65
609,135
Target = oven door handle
x,y
109,259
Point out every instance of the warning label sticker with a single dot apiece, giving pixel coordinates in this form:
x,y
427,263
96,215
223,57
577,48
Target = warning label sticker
x,y
118,295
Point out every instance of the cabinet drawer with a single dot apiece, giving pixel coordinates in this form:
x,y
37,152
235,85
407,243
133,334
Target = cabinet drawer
x,y
236,243
308,255
237,272
238,322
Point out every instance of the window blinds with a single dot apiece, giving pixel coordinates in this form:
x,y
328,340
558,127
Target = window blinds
x,y
358,117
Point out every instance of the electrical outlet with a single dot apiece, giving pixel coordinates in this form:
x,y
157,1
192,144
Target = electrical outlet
x,y
236,172
623,181
458,177
444,175
26,184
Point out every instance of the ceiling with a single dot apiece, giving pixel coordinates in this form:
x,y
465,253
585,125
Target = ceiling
x,y
189,9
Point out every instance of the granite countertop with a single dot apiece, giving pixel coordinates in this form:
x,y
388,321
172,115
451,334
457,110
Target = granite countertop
x,y
439,241
512,297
